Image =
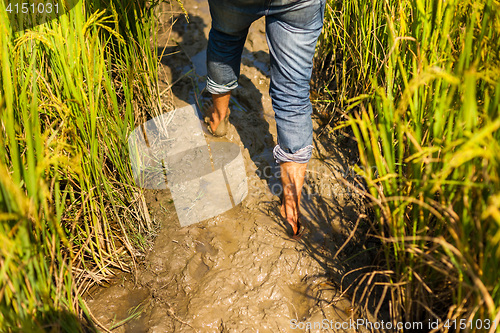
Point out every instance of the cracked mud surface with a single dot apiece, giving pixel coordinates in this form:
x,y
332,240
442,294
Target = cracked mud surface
x,y
239,271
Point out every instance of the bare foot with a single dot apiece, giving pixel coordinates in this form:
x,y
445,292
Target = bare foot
x,y
217,121
219,113
292,179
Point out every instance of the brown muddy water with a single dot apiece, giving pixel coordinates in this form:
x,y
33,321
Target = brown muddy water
x,y
239,271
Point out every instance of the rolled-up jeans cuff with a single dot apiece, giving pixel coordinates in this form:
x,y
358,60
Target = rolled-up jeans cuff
x,y
302,155
217,89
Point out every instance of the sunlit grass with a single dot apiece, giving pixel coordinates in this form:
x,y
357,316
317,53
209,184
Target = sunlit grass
x,y
71,90
420,82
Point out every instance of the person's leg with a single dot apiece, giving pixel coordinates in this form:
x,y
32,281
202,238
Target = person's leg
x,y
230,22
223,69
223,60
292,32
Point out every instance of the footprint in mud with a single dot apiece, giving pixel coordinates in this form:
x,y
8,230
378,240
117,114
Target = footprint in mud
x,y
239,271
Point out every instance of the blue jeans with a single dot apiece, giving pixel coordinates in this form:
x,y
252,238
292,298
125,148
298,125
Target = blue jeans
x,y
292,30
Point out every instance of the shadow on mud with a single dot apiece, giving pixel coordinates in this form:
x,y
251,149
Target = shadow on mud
x,y
341,220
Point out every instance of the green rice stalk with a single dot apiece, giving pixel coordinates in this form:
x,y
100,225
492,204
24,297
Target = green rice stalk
x,y
71,90
426,121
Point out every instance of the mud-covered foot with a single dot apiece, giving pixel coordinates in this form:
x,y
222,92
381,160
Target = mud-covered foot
x,y
217,111
297,227
216,125
292,179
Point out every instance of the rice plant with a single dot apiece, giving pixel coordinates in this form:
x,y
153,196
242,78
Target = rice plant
x,y
422,81
71,90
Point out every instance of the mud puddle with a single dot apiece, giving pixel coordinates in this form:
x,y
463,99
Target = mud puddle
x,y
239,271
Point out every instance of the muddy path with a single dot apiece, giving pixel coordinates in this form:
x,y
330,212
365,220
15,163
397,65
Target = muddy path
x,y
239,271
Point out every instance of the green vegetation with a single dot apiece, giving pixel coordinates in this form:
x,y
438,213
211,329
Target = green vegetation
x,y
70,92
419,81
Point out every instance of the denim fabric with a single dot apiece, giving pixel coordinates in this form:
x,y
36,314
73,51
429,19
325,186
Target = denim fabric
x,y
300,156
292,30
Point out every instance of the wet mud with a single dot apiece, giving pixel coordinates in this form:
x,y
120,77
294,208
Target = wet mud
x,y
240,271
